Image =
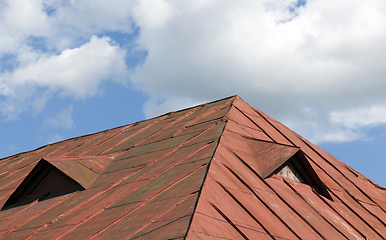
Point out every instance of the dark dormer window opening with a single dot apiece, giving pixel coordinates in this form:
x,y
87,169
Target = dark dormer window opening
x,y
45,181
298,169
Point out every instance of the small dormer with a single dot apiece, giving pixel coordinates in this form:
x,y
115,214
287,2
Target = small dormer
x,y
43,182
289,162
298,169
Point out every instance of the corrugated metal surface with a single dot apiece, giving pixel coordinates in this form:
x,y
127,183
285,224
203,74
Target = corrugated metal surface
x,y
200,173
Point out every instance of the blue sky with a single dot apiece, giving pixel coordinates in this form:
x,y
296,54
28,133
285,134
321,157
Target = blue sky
x,y
69,68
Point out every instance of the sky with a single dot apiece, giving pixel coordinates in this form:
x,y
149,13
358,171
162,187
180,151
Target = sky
x,y
74,67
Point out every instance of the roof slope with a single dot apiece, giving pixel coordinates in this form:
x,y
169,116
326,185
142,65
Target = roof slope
x,y
218,170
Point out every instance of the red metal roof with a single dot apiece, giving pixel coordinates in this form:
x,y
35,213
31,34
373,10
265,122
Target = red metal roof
x,y
207,172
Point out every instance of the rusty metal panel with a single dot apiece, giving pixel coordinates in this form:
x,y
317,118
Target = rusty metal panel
x,y
166,133
354,206
200,127
109,143
375,210
70,203
271,131
24,164
129,136
81,214
135,158
199,113
108,179
137,136
97,139
235,141
4,195
209,134
81,174
171,225
353,219
245,197
381,204
156,208
178,128
135,200
232,213
18,234
14,180
27,214
244,107
9,165
71,145
156,147
209,112
241,119
47,234
263,157
367,188
98,223
325,210
208,223
199,153
138,161
216,114
97,165
156,185
247,132
197,173
308,213
350,188
163,144
263,191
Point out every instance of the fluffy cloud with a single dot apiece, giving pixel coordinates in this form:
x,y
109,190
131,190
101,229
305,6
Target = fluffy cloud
x,y
49,47
74,72
279,57
18,20
360,117
306,63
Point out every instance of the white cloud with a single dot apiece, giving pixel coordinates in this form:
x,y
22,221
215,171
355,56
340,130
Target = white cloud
x,y
307,66
74,21
153,14
276,59
61,120
20,19
360,117
74,72
49,47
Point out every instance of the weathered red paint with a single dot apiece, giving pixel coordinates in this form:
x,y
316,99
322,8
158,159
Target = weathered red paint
x,y
206,172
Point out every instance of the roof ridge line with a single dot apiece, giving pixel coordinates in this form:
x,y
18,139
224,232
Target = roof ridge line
x,y
226,119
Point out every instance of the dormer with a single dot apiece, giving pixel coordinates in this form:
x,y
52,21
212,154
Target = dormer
x,y
43,182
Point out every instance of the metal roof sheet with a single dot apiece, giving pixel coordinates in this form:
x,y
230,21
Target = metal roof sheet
x,y
206,172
